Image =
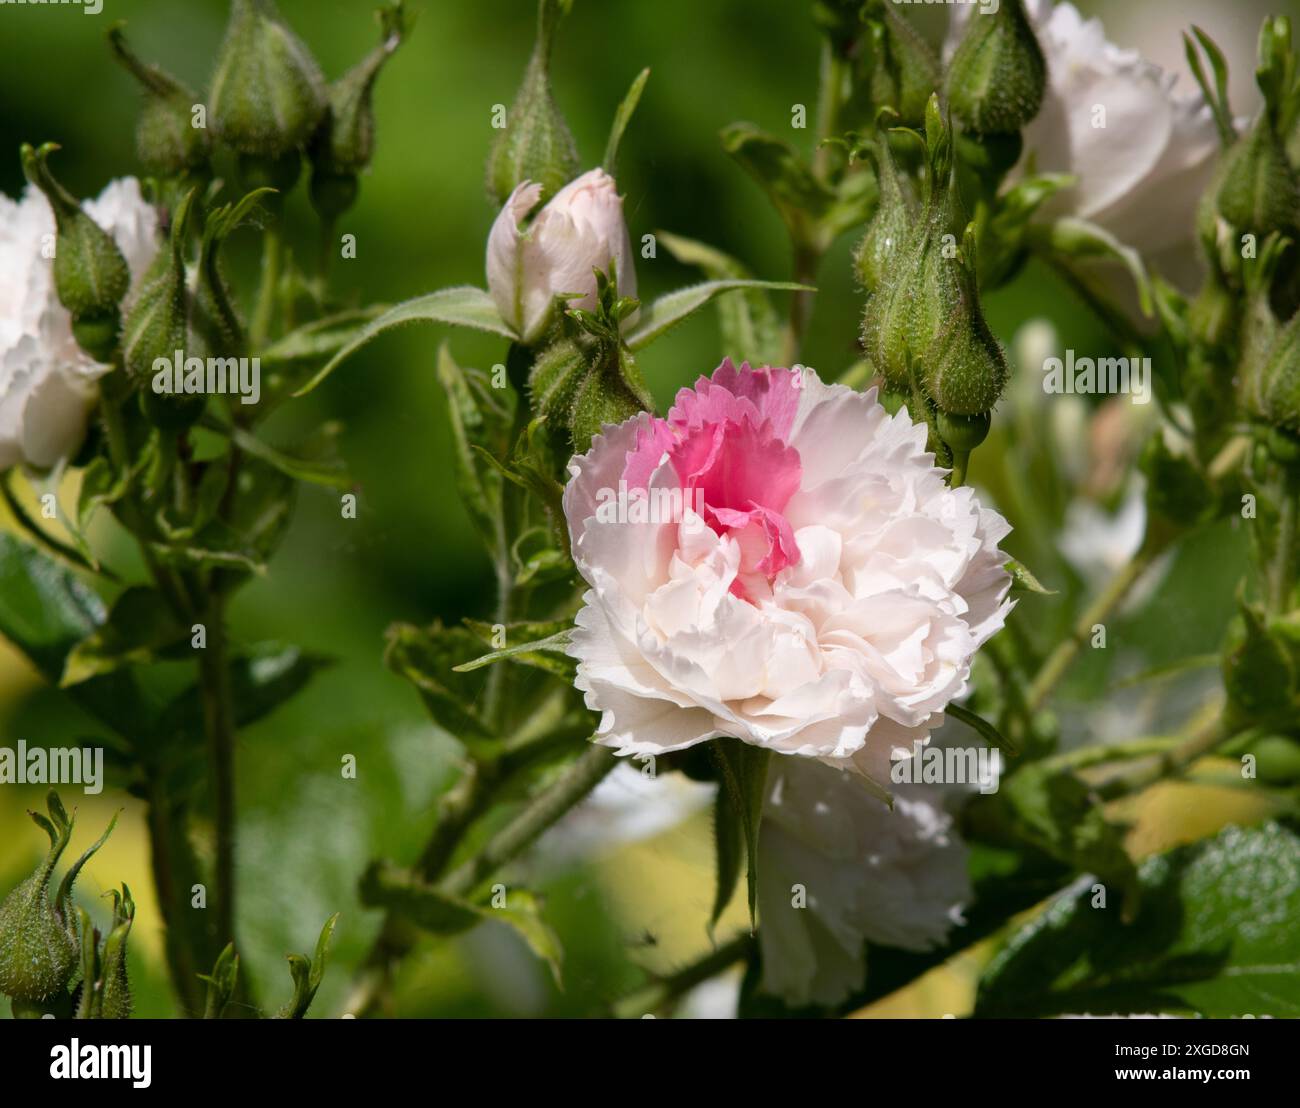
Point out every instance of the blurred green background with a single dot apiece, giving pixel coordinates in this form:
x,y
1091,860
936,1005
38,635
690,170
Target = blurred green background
x,y
421,224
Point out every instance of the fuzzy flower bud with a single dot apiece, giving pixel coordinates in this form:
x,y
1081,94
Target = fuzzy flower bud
x,y
580,230
268,93
998,74
345,140
881,245
166,139
38,951
536,145
90,274
903,71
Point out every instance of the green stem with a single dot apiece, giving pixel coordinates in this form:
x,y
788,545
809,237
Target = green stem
x,y
187,940
1060,660
1280,573
219,725
657,997
1169,762
267,290
522,831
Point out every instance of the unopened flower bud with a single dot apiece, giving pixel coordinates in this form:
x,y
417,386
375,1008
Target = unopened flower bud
x,y
268,93
38,951
536,144
580,230
115,993
166,139
157,330
998,74
345,140
903,70
90,274
881,245
1260,192
1276,396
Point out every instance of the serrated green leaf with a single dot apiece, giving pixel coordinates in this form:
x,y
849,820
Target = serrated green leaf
x,y
751,328
427,657
482,418
669,310
1215,935
139,629
463,306
398,890
543,647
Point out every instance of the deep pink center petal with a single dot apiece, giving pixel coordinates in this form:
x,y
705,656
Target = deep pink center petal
x,y
726,441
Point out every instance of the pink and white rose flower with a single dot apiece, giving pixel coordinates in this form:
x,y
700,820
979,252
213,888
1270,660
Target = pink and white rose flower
x,y
791,570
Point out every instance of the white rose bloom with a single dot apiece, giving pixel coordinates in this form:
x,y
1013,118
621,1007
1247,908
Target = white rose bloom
x,y
580,228
1141,175
798,574
867,873
47,382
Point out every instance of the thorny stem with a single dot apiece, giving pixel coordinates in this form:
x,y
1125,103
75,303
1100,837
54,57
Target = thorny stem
x,y
1279,574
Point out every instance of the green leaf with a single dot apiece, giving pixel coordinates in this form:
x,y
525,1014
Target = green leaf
x,y
221,983
262,677
543,647
385,885
984,729
1053,809
99,486
308,973
428,657
321,338
140,628
463,306
728,843
482,418
1079,240
670,310
1216,936
751,328
621,119
743,772
1022,580
796,193
328,472
44,609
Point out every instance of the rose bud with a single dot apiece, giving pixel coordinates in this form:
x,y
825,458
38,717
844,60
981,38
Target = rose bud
x,y
580,230
998,74
536,144
166,139
879,249
268,94
899,67
345,140
90,274
157,329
